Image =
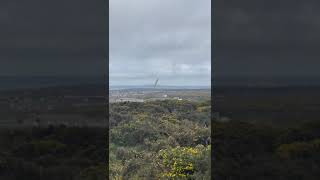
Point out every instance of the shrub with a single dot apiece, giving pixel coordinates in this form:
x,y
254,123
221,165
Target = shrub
x,y
180,161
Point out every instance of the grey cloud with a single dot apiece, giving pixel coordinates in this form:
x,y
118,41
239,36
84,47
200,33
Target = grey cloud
x,y
44,37
266,38
169,39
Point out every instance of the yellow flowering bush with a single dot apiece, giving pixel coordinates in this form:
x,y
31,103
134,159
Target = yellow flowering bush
x,y
179,162
298,149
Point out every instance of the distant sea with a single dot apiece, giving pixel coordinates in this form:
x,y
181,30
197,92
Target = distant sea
x,y
8,83
20,82
158,87
272,82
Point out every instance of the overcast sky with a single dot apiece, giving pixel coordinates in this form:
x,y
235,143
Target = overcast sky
x,y
267,38
169,39
53,37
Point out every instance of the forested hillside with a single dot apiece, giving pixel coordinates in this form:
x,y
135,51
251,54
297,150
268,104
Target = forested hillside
x,y
251,151
160,139
65,153
271,133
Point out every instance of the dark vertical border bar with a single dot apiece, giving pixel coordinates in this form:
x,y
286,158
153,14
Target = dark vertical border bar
x,y
212,81
107,81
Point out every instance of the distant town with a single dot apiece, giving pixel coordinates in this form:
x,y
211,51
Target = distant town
x,y
155,94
